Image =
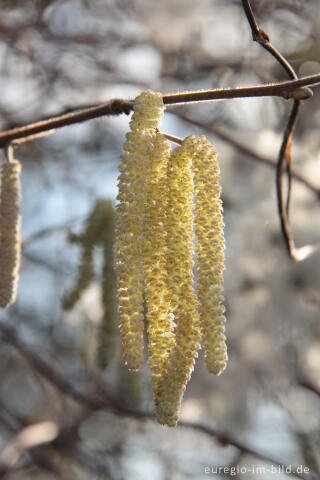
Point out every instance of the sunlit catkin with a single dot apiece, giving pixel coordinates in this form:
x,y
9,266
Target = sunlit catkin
x,y
160,319
210,254
106,329
148,110
180,239
10,221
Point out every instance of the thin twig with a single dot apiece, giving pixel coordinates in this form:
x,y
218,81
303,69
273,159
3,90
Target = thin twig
x,y
46,370
263,39
290,89
296,254
49,230
172,138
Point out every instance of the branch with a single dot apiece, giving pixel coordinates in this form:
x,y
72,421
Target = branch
x,y
32,131
102,400
47,371
263,39
244,149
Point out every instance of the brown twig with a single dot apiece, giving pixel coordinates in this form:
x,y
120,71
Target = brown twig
x,y
284,156
290,89
240,147
261,37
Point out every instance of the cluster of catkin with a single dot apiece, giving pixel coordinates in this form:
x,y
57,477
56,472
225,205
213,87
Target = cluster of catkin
x,y
169,209
10,222
98,231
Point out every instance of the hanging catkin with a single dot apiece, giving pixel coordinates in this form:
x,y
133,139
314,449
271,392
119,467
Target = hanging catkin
x,y
210,254
10,221
180,239
148,110
169,209
160,318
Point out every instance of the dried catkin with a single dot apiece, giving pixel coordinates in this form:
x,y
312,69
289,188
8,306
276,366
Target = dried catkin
x,y
210,254
10,223
148,110
160,319
180,239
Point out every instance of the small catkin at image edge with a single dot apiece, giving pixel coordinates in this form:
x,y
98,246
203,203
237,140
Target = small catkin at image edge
x,y
148,111
210,254
10,224
180,239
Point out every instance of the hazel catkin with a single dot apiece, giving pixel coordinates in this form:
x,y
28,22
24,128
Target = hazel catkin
x,y
210,254
180,238
169,210
160,321
10,224
148,110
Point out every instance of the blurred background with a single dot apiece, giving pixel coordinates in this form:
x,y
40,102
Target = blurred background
x,y
60,55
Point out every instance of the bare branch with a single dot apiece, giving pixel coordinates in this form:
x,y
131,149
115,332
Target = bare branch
x,y
101,400
261,37
249,152
290,89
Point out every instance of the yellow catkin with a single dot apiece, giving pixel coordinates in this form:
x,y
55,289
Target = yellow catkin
x,y
160,319
10,223
210,254
148,110
180,239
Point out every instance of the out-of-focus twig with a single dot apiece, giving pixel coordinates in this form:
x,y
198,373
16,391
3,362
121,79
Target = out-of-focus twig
x,y
46,370
29,437
239,146
308,385
101,400
48,231
15,424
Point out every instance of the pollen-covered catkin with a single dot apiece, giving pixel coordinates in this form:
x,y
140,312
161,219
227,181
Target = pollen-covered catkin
x,y
160,319
10,222
180,239
148,110
210,254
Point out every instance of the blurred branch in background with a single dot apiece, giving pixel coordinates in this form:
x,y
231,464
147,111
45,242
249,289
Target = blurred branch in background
x,y
98,399
69,57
